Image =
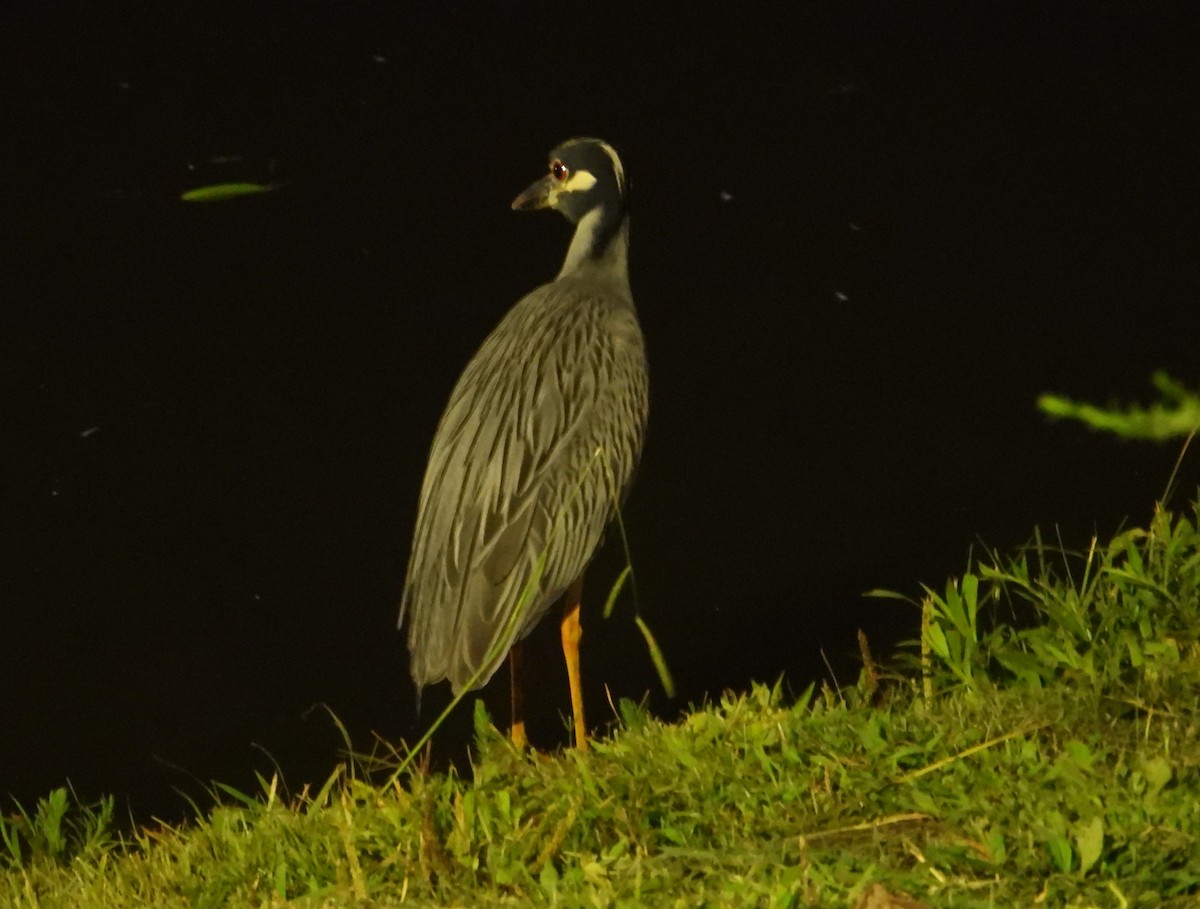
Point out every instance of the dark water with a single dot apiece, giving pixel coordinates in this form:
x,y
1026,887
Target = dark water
x,y
863,243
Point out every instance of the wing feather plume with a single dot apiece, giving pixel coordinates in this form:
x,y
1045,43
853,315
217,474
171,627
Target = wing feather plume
x,y
515,498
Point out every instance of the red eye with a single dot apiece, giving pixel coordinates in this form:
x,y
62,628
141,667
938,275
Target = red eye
x,y
559,170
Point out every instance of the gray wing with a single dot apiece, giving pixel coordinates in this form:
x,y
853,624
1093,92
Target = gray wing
x,y
539,439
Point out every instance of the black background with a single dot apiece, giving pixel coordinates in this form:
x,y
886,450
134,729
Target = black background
x,y
865,237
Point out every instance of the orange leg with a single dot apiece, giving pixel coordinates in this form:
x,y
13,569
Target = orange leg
x,y
516,662
572,632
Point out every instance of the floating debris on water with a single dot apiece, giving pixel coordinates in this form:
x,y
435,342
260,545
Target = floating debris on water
x,y
219,192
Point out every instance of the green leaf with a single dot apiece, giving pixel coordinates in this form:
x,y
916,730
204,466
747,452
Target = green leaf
x,y
632,714
482,722
220,192
1080,754
1177,413
683,754
549,878
1157,772
1060,852
970,592
997,848
615,590
881,593
12,841
937,640
660,664
923,801
671,835
871,736
1089,842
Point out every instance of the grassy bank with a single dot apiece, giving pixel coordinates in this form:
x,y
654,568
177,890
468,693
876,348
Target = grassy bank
x,y
1041,746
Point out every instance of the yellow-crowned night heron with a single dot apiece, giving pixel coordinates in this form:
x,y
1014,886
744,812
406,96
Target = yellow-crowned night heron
x,y
534,451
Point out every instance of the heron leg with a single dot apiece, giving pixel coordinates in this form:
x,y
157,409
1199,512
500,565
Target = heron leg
x,y
516,674
572,632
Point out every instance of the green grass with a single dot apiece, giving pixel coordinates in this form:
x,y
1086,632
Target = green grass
x,y
1039,745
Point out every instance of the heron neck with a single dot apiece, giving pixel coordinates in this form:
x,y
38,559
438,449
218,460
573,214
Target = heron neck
x,y
600,248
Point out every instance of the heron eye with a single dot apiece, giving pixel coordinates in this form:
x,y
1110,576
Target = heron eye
x,y
559,171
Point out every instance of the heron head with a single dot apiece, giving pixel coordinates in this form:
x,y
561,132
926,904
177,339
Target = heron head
x,y
585,175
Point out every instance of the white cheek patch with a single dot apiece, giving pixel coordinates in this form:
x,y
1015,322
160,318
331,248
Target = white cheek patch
x,y
579,182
